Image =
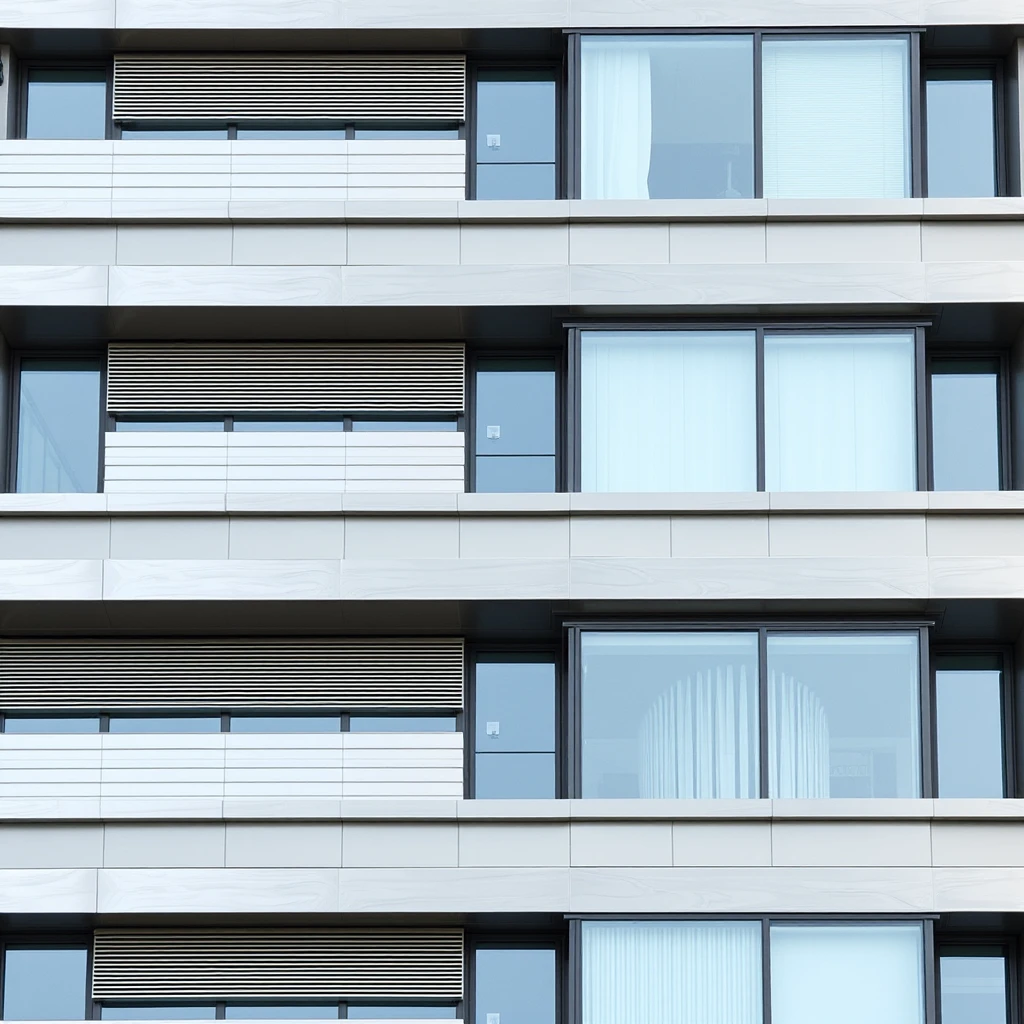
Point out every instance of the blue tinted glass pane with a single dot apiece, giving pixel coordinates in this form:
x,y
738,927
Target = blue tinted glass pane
x,y
401,1013
515,181
516,986
961,129
67,103
287,425
168,1012
165,725
51,725
59,426
183,134
515,706
515,776
515,474
969,724
446,425
965,426
515,117
290,133
368,723
515,407
44,984
407,133
169,426
285,723
973,987
281,1012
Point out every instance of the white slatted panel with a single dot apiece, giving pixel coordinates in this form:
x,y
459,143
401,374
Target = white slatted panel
x,y
286,377
349,963
253,86
316,673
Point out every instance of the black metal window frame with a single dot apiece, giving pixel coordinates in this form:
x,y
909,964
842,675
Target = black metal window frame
x,y
39,940
557,941
926,715
927,922
760,328
574,98
1008,943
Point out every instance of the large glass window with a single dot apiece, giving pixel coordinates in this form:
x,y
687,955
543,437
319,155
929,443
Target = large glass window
x,y
44,984
973,985
672,972
960,116
969,725
840,412
515,727
515,134
325,1011
515,986
965,425
667,117
668,411
66,103
58,426
671,715
515,425
847,974
844,715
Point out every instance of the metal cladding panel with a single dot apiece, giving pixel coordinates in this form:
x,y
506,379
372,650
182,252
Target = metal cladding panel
x,y
353,963
181,377
302,87
54,675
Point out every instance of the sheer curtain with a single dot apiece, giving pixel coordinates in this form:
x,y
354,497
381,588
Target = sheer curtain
x,y
836,118
840,412
847,974
647,972
798,740
699,740
669,411
615,117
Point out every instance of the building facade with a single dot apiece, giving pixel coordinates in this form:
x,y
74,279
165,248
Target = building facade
x,y
510,511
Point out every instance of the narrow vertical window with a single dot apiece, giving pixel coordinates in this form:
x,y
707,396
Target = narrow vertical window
x,y
516,986
836,118
965,425
960,116
44,984
515,727
66,103
515,425
969,726
58,426
516,135
973,985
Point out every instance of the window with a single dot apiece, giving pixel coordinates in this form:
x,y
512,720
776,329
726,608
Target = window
x,y
670,715
678,410
285,723
377,723
514,431
309,1012
177,426
66,103
960,118
966,424
170,1011
515,727
515,985
969,725
973,985
284,425
290,134
409,424
515,134
673,116
179,134
25,725
403,133
44,983
401,1012
58,426
165,724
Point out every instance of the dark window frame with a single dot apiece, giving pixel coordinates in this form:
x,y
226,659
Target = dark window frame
x,y
996,66
58,940
927,922
763,628
26,67
557,941
915,126
1008,942
760,328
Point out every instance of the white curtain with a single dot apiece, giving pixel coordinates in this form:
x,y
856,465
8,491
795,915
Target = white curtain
x,y
847,974
798,740
668,411
836,118
615,117
699,740
646,972
840,412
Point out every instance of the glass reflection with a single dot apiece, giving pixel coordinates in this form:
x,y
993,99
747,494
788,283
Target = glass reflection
x,y
972,985
965,425
66,103
960,119
44,984
515,986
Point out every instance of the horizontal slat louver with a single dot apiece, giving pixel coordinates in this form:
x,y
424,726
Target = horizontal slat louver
x,y
363,963
294,377
220,87
111,674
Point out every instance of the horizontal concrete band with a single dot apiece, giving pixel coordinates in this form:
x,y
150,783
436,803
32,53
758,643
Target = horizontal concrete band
x,y
396,14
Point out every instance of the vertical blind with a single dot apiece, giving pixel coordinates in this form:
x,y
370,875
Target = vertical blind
x,y
836,118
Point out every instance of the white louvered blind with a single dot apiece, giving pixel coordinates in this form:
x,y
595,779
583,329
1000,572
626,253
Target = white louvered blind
x,y
836,116
112,674
254,86
351,963
287,377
